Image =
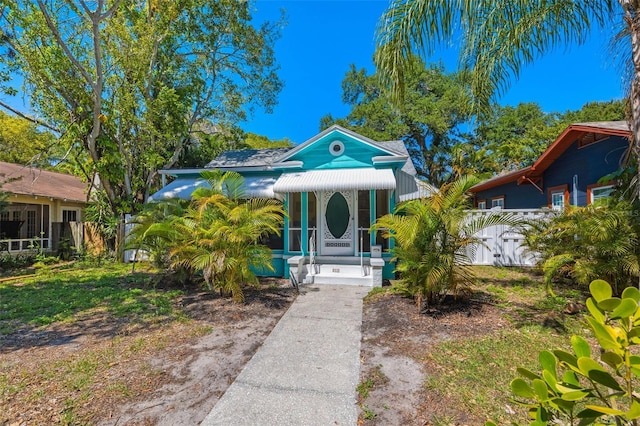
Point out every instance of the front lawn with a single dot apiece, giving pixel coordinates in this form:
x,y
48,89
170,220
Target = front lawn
x,y
452,365
83,344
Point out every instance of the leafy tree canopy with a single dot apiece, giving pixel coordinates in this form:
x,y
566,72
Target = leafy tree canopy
x,y
434,121
126,84
434,105
23,143
510,138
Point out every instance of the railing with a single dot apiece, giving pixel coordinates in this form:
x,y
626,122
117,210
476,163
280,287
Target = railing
x,y
312,255
24,244
364,273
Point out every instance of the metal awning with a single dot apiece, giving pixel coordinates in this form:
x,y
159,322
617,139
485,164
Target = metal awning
x,y
335,180
183,188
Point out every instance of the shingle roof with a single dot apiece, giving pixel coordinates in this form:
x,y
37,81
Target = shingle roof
x,y
246,158
25,180
401,149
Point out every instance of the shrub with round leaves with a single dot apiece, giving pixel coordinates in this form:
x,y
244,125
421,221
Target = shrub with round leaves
x,y
590,387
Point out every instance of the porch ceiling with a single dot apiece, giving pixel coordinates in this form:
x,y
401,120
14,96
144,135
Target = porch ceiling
x,y
335,180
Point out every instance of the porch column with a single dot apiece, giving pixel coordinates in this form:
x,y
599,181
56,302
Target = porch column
x,y
304,234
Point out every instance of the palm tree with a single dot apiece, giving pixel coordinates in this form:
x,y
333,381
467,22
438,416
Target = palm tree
x,y
435,238
499,38
219,234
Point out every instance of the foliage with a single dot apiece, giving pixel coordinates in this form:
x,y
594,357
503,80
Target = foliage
x,y
497,39
217,234
509,138
24,143
10,261
584,387
434,105
583,243
127,84
254,141
434,238
144,234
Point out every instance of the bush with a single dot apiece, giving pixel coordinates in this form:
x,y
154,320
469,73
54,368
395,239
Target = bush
x,y
9,261
585,243
585,387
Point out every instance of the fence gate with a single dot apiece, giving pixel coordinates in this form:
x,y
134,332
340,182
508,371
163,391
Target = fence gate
x,y
502,245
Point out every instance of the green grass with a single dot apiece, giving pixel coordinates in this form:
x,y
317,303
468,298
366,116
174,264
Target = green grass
x,y
475,373
54,296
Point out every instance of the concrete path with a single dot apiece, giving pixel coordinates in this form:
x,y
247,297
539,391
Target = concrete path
x,y
307,370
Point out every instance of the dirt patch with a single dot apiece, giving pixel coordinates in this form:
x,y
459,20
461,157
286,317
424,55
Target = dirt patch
x,y
396,341
167,372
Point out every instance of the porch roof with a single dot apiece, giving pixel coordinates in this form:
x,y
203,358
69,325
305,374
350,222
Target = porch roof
x,y
335,180
183,187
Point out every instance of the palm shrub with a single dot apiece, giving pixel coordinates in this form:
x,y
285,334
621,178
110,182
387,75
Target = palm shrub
x,y
584,386
585,243
219,233
152,230
434,240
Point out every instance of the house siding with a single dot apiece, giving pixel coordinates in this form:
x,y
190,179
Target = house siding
x,y
589,164
515,196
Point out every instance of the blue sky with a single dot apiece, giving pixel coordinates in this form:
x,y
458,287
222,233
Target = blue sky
x,y
323,37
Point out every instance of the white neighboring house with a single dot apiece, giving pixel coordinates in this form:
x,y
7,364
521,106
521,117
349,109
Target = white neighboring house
x,y
43,208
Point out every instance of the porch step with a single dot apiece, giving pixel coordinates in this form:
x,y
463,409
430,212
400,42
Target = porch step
x,y
340,274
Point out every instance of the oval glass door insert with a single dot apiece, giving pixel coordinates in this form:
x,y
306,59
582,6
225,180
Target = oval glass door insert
x,y
337,215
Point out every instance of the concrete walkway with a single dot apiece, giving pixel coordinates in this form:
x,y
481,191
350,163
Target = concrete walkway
x,y
307,370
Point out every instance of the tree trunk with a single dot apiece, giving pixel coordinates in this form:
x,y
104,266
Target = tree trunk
x,y
631,19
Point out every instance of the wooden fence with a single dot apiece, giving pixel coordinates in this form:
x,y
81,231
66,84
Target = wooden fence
x,y
502,244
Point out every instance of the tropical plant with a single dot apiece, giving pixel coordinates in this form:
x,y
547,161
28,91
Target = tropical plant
x,y
435,239
148,233
590,387
217,234
498,39
584,243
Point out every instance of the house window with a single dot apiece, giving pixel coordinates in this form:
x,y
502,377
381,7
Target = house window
x,y
69,216
382,208
295,221
558,197
482,204
597,193
16,215
364,219
31,223
497,202
4,216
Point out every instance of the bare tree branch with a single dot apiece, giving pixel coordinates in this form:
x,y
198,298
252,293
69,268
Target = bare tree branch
x,y
31,119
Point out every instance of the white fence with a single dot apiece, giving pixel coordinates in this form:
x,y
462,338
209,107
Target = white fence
x,y
503,245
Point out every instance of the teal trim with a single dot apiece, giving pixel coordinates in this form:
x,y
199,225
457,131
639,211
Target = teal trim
x,y
304,244
356,154
278,268
285,231
372,216
392,208
387,270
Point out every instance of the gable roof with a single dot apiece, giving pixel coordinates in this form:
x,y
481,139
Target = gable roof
x,y
246,158
585,132
25,180
335,128
264,158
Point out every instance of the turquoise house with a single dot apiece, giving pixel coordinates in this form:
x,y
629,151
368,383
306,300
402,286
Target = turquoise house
x,y
333,186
